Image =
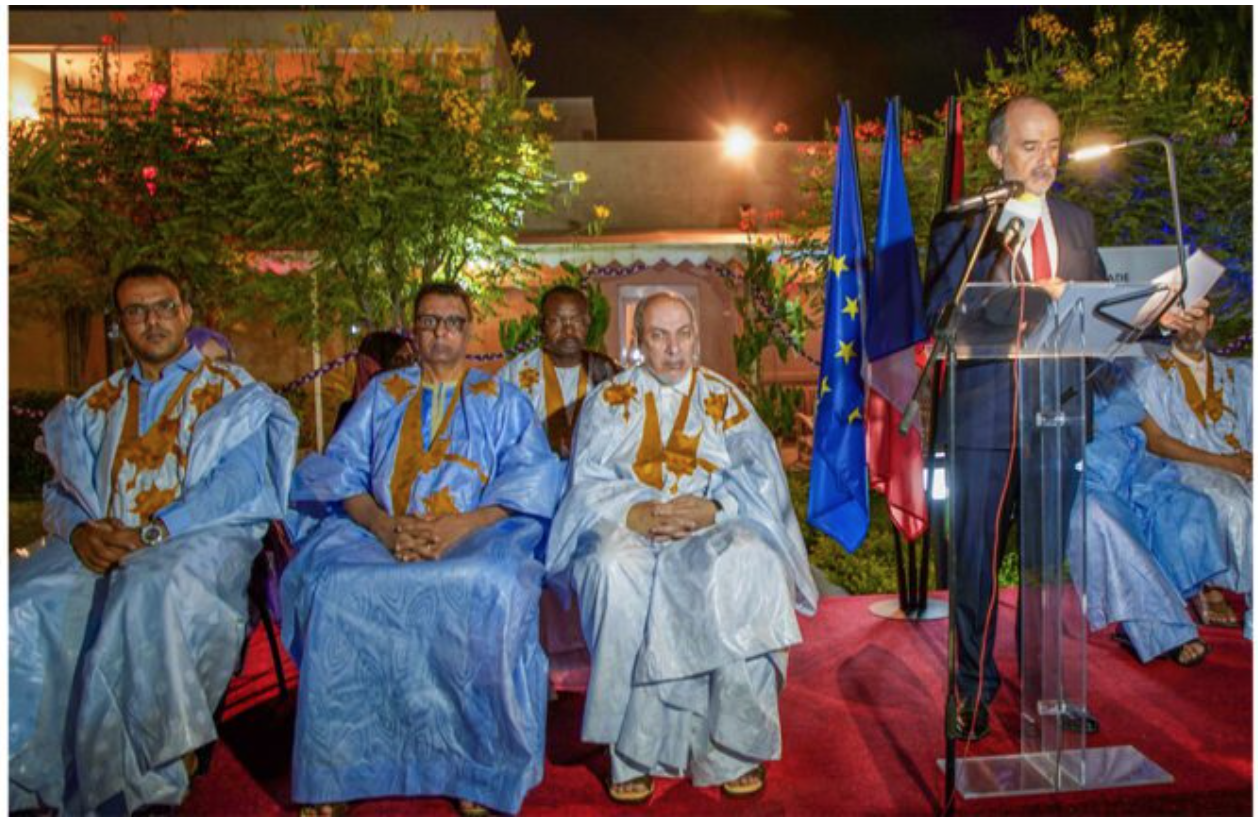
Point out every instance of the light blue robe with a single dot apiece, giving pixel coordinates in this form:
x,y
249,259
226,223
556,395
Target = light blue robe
x,y
688,639
113,679
1163,394
1152,541
421,678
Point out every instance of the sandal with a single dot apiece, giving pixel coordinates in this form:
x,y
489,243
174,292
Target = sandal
x,y
747,784
1177,656
634,791
1213,611
336,809
471,809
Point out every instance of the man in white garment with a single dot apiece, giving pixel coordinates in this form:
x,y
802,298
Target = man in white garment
x,y
678,536
1200,415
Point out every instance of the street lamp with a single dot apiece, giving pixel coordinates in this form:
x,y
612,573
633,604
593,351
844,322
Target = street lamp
x,y
739,142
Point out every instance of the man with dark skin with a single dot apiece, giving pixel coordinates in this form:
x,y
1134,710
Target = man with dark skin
x,y
557,377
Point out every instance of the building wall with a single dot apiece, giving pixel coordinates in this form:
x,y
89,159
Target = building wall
x,y
671,185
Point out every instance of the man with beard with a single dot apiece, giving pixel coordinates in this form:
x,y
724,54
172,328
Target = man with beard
x,y
126,627
1024,144
556,379
678,537
557,376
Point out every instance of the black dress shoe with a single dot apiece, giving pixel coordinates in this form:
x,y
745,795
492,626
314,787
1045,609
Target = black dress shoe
x,y
969,722
1078,720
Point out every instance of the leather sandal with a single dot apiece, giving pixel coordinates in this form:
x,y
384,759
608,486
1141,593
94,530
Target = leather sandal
x,y
747,784
633,797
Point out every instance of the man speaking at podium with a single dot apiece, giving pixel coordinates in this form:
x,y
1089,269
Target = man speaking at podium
x,y
1057,243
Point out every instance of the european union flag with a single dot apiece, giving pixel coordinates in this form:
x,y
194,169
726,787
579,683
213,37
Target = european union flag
x,y
838,497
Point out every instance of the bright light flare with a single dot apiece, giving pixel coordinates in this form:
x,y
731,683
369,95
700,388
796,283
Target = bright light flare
x,y
739,142
1091,152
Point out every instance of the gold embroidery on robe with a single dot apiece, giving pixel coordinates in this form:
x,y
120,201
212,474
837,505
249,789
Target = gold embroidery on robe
x,y
152,500
398,388
732,394
104,398
1232,441
714,406
413,458
1209,406
206,396
561,420
621,395
148,452
440,503
489,387
528,379
680,457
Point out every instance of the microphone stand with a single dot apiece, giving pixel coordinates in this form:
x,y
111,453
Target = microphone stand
x,y
945,333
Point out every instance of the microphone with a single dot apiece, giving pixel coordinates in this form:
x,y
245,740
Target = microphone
x,y
981,201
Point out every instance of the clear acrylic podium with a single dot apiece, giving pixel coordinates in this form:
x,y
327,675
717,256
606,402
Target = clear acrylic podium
x,y
1052,342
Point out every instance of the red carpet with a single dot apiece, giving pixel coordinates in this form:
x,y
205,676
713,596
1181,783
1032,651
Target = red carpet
x,y
862,715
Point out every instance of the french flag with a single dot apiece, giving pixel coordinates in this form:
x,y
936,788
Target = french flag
x,y
894,325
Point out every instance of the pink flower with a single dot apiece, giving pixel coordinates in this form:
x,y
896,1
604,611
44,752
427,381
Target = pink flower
x,y
156,93
781,129
150,175
108,40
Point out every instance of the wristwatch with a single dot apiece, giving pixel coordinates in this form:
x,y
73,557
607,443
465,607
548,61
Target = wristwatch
x,y
152,533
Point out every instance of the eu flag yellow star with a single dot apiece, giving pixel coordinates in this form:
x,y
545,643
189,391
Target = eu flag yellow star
x,y
838,266
825,387
847,351
851,308
854,416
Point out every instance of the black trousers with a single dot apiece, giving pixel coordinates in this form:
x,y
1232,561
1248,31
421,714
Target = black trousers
x,y
980,532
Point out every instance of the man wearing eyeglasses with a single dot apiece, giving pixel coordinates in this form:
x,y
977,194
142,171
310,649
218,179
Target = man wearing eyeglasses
x,y
557,376
412,603
126,627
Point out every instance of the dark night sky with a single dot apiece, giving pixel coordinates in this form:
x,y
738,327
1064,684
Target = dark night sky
x,y
659,72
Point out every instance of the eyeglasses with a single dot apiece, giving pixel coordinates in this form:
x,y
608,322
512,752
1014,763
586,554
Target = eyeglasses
x,y
164,310
454,324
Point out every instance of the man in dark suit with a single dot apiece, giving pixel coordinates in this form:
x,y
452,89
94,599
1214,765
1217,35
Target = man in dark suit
x,y
1024,143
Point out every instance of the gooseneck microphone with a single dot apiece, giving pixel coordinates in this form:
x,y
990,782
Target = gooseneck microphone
x,y
981,201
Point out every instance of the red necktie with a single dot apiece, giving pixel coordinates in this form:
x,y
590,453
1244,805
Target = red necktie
x,y
1041,267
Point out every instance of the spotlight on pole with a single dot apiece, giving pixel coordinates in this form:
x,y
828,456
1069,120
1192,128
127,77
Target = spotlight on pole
x,y
1097,151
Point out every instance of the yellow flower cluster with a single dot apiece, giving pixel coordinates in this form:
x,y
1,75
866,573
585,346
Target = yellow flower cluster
x,y
546,111
1076,77
602,212
1102,60
1049,26
580,177
998,93
389,118
358,165
1156,58
361,41
463,114
521,46
381,22
520,115
1104,27
1221,92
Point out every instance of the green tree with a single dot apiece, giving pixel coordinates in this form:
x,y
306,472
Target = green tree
x,y
393,165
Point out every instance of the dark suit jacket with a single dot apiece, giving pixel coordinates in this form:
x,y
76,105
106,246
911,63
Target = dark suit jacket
x,y
984,391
